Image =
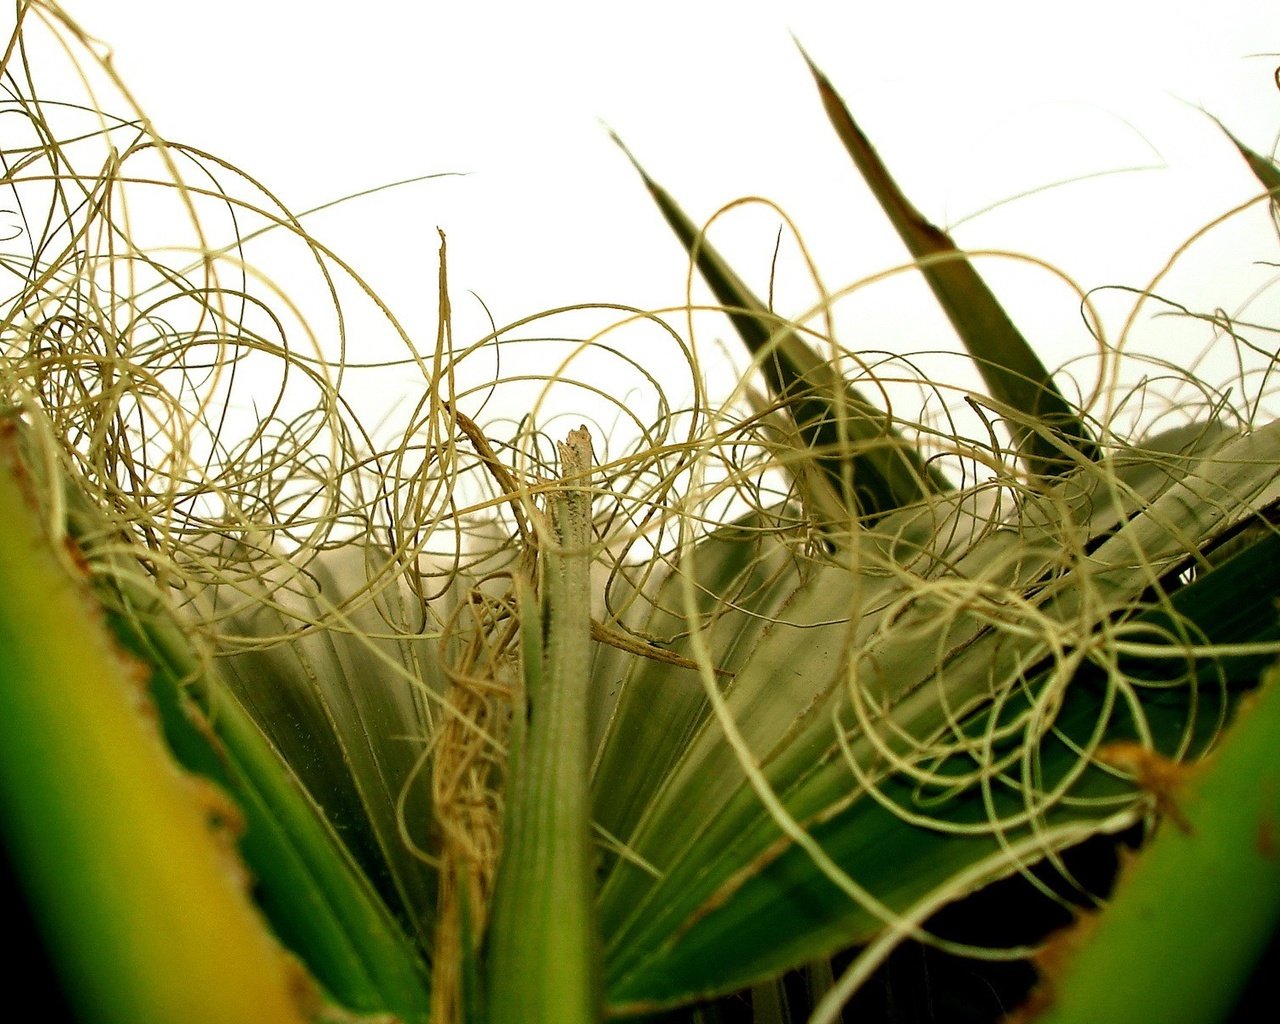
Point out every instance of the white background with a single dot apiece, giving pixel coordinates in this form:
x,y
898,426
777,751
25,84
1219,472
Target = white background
x,y
969,104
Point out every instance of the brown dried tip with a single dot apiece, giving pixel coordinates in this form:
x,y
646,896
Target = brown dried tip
x,y
576,455
1155,774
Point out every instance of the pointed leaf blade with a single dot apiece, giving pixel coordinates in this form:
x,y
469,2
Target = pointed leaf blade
x,y
832,416
1011,369
1264,170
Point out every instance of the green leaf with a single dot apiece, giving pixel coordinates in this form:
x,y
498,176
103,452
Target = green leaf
x,y
1043,420
1204,894
316,898
900,863
127,860
726,871
744,579
1264,170
857,446
345,705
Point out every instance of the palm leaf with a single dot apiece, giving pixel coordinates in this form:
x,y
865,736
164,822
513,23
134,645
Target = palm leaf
x,y
1209,869
317,899
127,859
1054,436
347,706
723,862
856,445
1264,169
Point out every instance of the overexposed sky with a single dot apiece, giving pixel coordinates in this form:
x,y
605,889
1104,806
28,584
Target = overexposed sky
x,y
968,103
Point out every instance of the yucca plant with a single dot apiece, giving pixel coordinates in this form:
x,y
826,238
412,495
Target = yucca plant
x,y
522,721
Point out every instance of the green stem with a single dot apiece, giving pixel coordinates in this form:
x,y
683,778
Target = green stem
x,y
543,945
